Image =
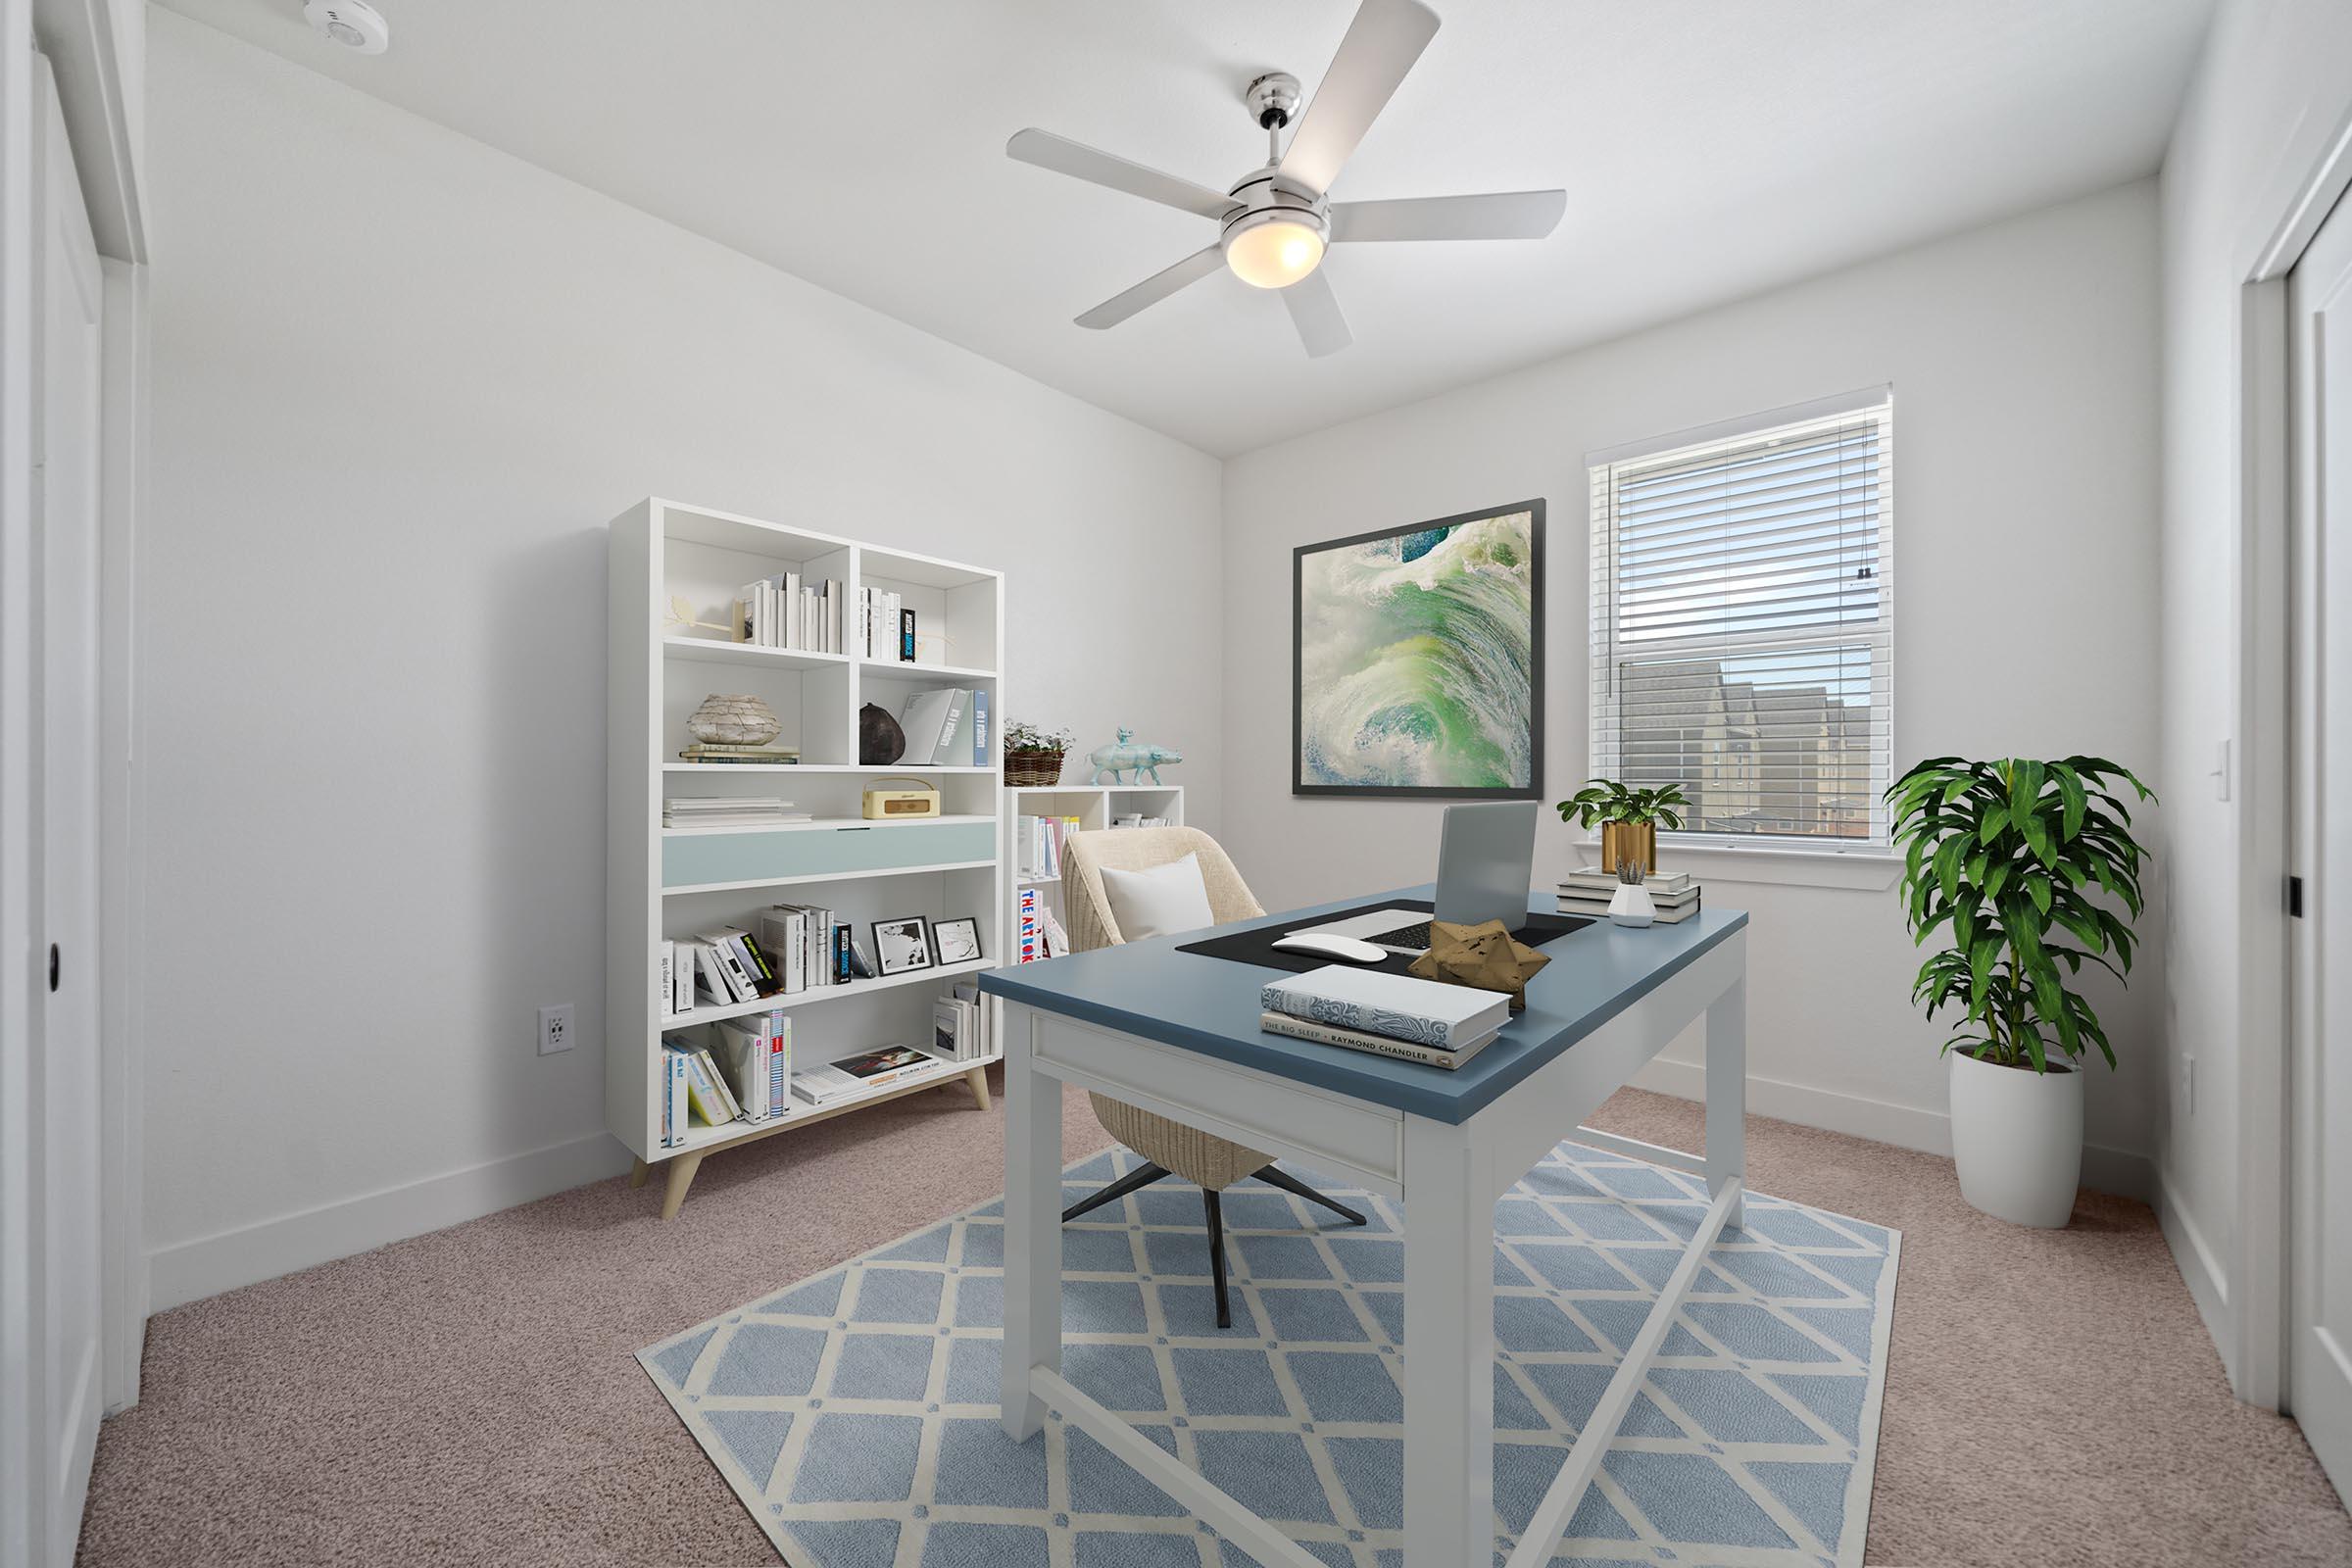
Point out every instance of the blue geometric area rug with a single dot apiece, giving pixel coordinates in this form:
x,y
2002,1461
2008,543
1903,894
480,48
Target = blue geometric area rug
x,y
856,1413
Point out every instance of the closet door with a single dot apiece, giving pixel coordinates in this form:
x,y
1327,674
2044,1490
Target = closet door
x,y
2319,1350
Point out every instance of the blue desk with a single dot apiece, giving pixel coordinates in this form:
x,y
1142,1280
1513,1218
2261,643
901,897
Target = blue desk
x,y
1178,1034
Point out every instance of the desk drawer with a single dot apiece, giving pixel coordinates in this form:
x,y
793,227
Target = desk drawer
x,y
700,859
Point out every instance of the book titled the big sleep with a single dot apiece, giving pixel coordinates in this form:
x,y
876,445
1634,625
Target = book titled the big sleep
x,y
1398,1005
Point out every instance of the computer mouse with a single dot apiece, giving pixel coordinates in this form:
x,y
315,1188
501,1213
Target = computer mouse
x,y
1345,949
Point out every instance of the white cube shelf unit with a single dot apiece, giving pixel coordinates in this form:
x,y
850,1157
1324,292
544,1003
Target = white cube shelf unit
x,y
1095,805
671,883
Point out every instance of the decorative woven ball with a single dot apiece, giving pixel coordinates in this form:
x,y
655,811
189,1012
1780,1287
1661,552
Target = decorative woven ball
x,y
736,720
880,741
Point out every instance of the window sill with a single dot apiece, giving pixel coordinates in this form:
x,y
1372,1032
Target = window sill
x,y
1863,870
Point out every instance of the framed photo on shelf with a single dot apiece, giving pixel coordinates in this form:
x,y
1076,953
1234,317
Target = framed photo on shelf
x,y
1417,660
956,941
903,947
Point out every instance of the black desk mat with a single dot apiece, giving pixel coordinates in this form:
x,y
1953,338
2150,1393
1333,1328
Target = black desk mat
x,y
1256,945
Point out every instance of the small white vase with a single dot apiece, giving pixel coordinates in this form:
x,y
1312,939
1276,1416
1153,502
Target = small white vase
x,y
1632,906
2017,1140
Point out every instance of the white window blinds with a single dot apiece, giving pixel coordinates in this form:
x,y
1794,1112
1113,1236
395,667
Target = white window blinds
x,y
1742,625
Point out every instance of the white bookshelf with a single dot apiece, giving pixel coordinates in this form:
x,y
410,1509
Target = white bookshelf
x,y
1095,805
667,883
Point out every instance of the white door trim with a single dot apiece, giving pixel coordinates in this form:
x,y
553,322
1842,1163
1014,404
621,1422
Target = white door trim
x,y
2255,1353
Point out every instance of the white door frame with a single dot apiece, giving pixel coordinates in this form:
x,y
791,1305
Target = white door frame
x,y
2265,1131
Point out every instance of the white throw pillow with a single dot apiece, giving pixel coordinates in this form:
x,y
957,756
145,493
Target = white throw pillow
x,y
1152,903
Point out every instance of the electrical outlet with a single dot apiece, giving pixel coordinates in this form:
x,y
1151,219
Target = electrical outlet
x,y
555,1029
2189,1085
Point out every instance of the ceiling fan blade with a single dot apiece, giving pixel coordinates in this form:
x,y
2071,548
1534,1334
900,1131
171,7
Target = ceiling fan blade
x,y
1081,162
1152,290
1381,43
1315,312
1504,215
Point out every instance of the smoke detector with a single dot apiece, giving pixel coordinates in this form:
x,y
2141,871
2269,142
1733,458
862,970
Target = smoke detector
x,y
352,23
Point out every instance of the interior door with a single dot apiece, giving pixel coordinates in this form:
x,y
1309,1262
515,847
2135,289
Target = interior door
x,y
63,1075
2319,1350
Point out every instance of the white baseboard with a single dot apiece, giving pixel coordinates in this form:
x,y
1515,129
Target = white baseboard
x,y
189,1271
2104,1170
2201,1270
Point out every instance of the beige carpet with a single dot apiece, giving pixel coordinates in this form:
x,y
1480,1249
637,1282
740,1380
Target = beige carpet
x,y
471,1397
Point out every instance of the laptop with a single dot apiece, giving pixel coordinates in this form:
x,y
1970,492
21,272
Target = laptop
x,y
1486,865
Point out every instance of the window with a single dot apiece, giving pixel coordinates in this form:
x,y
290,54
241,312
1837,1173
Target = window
x,y
1742,624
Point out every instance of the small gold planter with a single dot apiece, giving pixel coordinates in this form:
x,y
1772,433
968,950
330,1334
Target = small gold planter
x,y
1636,842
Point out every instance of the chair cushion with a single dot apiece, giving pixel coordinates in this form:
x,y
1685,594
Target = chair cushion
x,y
1162,900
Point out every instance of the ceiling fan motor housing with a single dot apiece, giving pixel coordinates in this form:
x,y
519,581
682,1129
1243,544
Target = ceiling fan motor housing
x,y
1266,196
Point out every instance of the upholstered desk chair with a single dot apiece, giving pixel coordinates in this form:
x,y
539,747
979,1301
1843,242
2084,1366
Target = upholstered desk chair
x,y
1169,1147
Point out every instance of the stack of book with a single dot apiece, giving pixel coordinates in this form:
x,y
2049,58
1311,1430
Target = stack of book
x,y
861,1073
1387,1014
946,726
716,968
739,754
783,612
1039,935
1037,843
960,1026
728,810
885,626
1137,819
743,1074
814,946
1588,889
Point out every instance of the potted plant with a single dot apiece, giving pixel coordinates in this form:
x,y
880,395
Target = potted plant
x,y
1033,756
2021,866
1629,819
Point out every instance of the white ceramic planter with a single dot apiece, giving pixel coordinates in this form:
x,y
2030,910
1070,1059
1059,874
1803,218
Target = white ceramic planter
x,y
2017,1138
1631,904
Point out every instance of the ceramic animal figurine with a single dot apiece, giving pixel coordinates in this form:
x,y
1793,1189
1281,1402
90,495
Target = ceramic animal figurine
x,y
1123,756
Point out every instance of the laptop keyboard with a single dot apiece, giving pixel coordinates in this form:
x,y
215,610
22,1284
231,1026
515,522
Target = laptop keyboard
x,y
1412,938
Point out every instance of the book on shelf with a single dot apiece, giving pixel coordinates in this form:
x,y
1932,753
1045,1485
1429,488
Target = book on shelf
x,y
1026,937
860,1073
938,725
729,811
677,1104
740,756
1398,1006
979,751
1038,842
1055,941
808,947
954,1030
755,1056
707,1095
877,624
1448,1057
967,992
906,636
764,612
1137,819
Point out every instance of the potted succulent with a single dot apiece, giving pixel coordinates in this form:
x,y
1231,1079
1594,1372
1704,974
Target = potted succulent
x,y
2021,867
1033,756
1629,819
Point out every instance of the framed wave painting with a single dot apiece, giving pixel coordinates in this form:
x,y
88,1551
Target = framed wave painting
x,y
1417,660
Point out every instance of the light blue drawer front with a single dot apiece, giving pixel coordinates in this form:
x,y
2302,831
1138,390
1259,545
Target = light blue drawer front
x,y
696,859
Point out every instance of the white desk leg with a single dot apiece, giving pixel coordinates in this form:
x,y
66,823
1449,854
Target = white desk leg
x,y
1727,1093
1032,1227
1449,1347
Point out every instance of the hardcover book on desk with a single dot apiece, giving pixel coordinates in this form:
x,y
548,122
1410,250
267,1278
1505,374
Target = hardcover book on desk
x,y
1396,1005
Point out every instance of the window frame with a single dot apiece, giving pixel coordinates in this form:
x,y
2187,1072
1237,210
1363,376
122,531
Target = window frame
x,y
1604,724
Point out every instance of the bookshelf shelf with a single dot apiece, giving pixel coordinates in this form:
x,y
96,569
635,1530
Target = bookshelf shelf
x,y
710,650
671,885
816,994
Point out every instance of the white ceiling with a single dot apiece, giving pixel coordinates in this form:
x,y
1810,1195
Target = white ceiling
x,y
1711,149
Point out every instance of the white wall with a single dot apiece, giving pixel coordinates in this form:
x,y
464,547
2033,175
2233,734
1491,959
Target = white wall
x,y
401,383
2272,91
2024,358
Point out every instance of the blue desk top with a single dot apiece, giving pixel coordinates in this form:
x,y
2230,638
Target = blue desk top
x,y
1211,1006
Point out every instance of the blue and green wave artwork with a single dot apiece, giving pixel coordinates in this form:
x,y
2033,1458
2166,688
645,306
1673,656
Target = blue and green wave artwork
x,y
1416,658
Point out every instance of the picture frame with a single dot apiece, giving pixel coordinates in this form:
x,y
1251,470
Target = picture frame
x,y
903,946
956,941
1382,725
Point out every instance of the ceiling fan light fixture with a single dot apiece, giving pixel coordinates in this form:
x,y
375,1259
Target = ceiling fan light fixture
x,y
1274,252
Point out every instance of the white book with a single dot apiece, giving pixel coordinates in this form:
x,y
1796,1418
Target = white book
x,y
925,721
946,752
676,1108
1331,1034
711,982
788,609
1399,1007
670,985
742,1053
1592,876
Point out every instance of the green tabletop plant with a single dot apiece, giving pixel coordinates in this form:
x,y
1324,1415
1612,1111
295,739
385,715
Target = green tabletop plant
x,y
2028,872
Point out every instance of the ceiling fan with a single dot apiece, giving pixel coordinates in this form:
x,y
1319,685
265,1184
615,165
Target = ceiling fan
x,y
1277,219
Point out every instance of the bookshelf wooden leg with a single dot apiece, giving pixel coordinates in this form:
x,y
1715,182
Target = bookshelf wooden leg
x,y
681,1177
639,1170
978,1079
